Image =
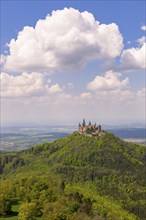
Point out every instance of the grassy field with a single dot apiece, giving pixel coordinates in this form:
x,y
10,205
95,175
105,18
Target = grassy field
x,y
136,140
15,218
9,218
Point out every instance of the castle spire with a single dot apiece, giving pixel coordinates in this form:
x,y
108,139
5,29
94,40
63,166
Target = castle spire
x,y
84,123
99,127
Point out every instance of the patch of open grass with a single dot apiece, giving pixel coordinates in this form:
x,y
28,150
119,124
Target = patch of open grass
x,y
9,217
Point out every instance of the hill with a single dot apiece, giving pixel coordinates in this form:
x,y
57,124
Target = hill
x,y
74,178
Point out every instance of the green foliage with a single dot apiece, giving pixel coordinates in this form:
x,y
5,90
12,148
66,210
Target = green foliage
x,y
94,204
27,211
75,178
5,198
89,130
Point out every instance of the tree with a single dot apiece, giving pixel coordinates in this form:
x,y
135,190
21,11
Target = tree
x,y
27,211
5,201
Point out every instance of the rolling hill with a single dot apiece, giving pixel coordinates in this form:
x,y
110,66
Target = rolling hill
x,y
77,177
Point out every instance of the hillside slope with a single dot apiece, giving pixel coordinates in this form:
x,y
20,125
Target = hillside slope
x,y
78,177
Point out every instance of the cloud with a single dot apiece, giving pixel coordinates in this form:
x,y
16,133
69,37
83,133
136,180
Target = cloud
x,y
27,84
143,28
134,58
65,40
142,93
55,89
70,85
129,42
85,95
43,106
110,81
115,96
2,59
142,40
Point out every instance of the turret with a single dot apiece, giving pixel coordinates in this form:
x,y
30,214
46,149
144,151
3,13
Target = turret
x,y
99,127
84,123
79,127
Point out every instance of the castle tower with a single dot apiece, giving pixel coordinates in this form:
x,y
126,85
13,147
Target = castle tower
x,y
89,129
84,123
79,127
99,127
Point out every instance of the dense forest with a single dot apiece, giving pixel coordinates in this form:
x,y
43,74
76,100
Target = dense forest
x,y
75,178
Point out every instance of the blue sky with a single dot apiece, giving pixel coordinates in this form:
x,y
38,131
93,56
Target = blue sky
x,y
129,15
101,79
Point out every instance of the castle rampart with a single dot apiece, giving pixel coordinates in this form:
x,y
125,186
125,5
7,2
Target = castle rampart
x,y
89,129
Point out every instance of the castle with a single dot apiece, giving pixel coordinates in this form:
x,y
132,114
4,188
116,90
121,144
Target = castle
x,y
90,129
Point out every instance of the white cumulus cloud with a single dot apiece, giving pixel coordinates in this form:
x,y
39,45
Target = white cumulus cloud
x,y
134,58
2,59
142,93
66,39
55,89
26,84
143,27
85,95
110,81
142,40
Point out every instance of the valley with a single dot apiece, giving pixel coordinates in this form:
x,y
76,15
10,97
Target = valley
x,y
21,138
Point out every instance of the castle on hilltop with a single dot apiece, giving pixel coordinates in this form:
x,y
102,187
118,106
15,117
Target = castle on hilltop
x,y
89,129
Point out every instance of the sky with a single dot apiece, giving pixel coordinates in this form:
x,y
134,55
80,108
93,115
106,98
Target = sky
x,y
62,61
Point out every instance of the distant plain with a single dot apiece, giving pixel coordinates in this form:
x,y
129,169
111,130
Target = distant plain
x,y
19,138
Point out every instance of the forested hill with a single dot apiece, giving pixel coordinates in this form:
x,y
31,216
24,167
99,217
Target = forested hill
x,y
75,178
